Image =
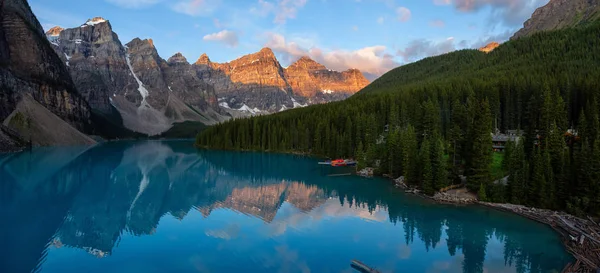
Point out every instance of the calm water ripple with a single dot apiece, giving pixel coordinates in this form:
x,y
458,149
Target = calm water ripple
x,y
166,207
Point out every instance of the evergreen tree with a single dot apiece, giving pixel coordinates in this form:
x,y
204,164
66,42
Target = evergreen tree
x,y
394,153
440,174
394,117
481,152
594,168
537,188
427,182
481,193
410,155
361,159
555,153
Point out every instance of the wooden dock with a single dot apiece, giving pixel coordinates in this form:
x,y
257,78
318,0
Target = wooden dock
x,y
360,266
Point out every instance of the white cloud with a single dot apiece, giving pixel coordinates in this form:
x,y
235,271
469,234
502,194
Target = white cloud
x,y
282,9
227,37
422,48
380,20
509,12
370,60
263,9
404,14
134,4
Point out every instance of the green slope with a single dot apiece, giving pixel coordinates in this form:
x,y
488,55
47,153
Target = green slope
x,y
572,49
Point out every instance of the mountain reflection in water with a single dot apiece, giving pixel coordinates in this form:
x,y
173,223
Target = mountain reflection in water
x,y
164,206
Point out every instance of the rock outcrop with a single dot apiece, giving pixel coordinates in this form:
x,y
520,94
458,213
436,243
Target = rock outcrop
x,y
55,31
30,68
133,82
489,47
257,83
309,78
559,14
254,83
96,61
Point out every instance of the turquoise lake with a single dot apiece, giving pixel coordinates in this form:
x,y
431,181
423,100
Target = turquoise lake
x,y
153,206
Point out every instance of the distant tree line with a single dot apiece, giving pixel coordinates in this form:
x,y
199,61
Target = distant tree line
x,y
432,120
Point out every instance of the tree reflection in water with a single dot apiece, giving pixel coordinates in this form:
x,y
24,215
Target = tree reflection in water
x,y
89,198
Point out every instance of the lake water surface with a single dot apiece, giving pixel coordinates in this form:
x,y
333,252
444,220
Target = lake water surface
x,y
167,207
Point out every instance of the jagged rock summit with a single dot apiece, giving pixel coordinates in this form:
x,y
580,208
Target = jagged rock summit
x,y
307,63
559,14
489,47
203,60
178,58
94,21
55,31
310,78
257,83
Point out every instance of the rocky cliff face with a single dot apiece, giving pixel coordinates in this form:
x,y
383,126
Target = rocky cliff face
x,y
559,14
308,78
489,47
150,94
133,81
257,83
96,61
29,68
254,83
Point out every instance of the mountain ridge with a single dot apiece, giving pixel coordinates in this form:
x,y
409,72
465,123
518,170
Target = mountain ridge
x,y
560,14
147,91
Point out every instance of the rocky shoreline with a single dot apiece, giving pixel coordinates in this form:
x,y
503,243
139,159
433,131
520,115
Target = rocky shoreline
x,y
581,237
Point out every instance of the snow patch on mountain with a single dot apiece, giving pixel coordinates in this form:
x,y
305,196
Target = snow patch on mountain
x,y
297,104
68,58
245,108
93,22
224,105
143,91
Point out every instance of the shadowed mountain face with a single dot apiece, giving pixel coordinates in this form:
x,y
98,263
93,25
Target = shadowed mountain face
x,y
133,81
30,69
560,14
165,205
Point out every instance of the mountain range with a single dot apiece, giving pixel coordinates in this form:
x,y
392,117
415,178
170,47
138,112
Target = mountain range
x,y
150,93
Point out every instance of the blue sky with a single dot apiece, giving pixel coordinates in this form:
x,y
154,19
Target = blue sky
x,y
371,35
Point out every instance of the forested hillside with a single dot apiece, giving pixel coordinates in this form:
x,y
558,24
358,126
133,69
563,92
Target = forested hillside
x,y
432,120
